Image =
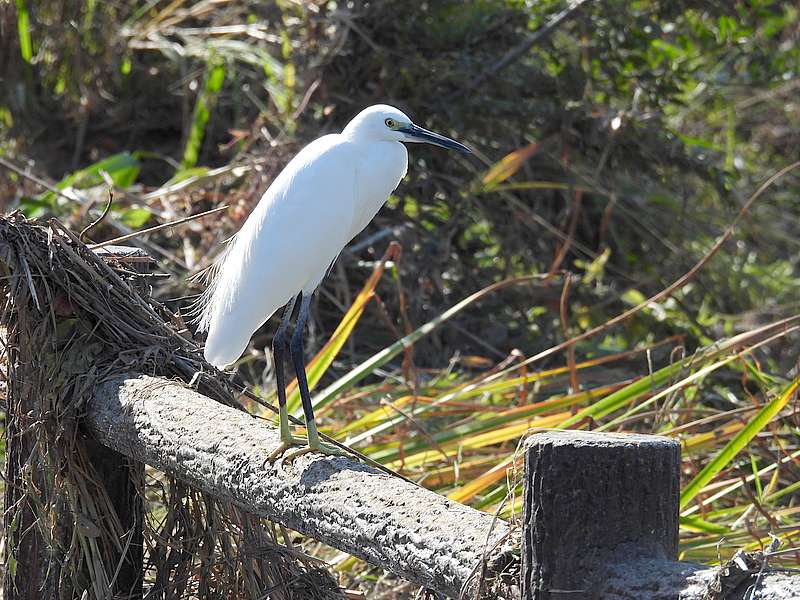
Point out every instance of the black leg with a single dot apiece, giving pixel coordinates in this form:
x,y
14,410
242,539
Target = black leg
x,y
298,360
279,343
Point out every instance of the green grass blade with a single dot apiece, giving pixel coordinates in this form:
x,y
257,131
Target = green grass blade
x,y
215,77
488,423
721,460
688,380
629,394
703,526
626,395
733,487
24,31
366,368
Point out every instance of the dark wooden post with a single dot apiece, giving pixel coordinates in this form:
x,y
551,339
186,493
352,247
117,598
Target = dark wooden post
x,y
119,473
34,561
28,575
593,500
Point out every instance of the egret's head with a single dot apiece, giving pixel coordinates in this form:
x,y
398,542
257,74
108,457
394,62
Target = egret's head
x,y
386,123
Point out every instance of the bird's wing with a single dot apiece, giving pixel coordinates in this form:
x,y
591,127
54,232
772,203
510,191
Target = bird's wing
x,y
197,310
300,225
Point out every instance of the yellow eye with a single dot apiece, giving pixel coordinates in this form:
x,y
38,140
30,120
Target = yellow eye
x,y
391,123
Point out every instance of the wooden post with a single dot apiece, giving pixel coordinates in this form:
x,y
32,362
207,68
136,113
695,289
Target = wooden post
x,y
119,473
33,561
593,500
28,575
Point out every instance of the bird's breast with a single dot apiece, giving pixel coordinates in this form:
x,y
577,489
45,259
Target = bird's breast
x,y
378,173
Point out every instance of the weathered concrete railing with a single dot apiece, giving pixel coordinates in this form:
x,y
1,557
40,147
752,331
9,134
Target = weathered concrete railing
x,y
385,520
600,516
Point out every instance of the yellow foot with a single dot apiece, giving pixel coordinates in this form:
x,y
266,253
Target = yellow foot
x,y
284,446
320,448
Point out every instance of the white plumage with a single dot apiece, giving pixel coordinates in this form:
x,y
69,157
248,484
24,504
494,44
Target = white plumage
x,y
319,202
325,196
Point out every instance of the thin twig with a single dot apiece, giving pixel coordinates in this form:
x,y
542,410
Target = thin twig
x,y
561,254
564,310
419,428
517,51
306,98
135,234
99,219
12,167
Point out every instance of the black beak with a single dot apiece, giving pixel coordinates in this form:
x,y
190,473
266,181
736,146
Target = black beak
x,y
415,133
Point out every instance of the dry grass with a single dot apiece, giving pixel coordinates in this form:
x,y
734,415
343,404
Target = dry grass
x,y
72,320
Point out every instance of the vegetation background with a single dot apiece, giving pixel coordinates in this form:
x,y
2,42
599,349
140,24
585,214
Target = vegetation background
x,y
612,150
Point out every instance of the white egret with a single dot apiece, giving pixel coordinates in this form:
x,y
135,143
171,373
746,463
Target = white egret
x,y
325,196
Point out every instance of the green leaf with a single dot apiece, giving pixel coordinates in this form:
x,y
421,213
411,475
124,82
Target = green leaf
x,y
33,207
737,444
135,217
184,174
122,168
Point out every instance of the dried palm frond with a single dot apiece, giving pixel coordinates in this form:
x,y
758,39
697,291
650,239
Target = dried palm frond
x,y
72,320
